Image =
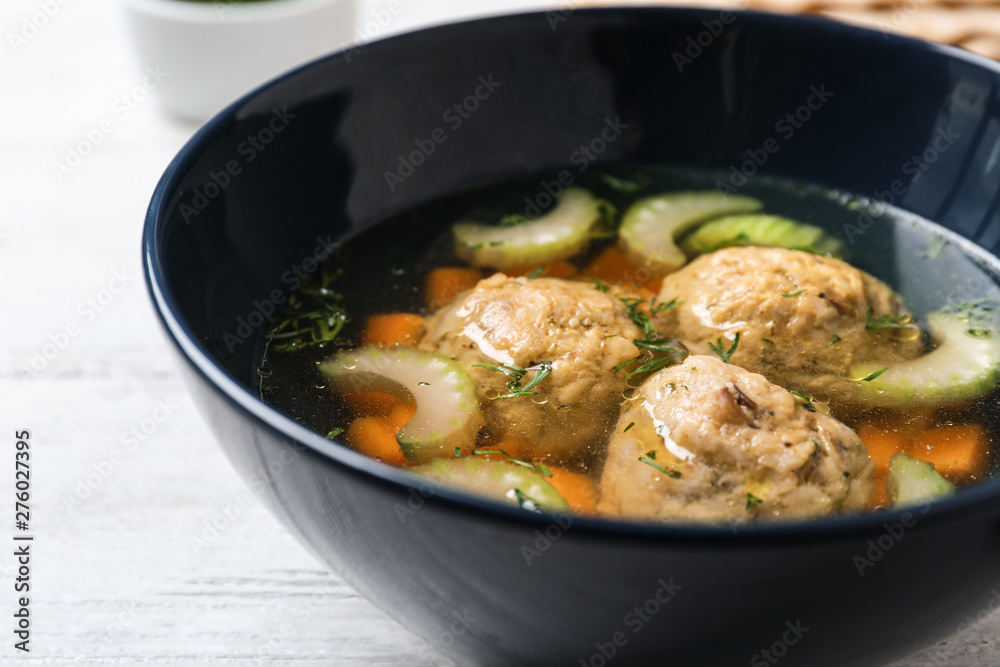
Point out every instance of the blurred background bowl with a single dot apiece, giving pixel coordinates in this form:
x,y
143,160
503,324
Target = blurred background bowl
x,y
309,158
216,50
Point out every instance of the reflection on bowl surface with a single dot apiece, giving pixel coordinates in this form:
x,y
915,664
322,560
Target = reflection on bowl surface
x,y
270,187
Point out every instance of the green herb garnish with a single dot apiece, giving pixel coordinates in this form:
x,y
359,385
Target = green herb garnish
x,y
526,502
833,341
623,186
885,321
753,501
669,473
314,315
795,293
335,432
649,342
768,340
630,425
542,371
717,348
599,286
807,401
653,365
423,384
534,274
511,220
540,468
978,314
873,375
507,369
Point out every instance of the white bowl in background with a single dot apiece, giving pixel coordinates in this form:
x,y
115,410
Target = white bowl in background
x,y
211,53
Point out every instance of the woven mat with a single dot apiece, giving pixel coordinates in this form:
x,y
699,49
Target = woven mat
x,y
970,24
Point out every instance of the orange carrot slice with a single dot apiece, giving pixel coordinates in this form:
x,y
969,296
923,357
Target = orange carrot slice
x,y
393,329
578,489
959,453
375,437
442,285
881,444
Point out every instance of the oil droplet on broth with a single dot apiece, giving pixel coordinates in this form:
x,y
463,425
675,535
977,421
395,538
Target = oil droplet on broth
x,y
491,394
539,400
633,382
630,394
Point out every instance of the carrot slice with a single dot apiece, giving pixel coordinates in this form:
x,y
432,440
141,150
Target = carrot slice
x,y
578,489
402,413
393,329
371,403
442,285
612,267
375,437
959,453
880,497
881,444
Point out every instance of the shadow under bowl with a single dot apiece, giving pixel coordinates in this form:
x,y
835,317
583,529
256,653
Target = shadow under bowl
x,y
349,140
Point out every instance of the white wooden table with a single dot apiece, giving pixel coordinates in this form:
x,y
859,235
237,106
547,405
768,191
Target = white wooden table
x,y
125,474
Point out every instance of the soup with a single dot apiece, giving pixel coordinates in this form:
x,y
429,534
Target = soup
x,y
643,345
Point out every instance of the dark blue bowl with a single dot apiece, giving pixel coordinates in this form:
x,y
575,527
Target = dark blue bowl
x,y
335,146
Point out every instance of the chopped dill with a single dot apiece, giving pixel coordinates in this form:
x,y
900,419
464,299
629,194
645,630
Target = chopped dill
x,y
508,369
540,468
873,375
653,464
978,314
651,454
795,293
753,501
717,348
630,425
536,273
458,453
807,401
314,315
335,432
650,343
599,286
424,384
542,370
623,186
526,502
768,340
833,341
511,220
886,321
653,365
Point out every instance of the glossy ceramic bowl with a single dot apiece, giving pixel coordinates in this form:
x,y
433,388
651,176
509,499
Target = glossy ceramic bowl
x,y
270,182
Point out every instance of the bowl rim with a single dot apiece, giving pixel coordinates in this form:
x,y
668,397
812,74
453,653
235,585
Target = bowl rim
x,y
982,498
